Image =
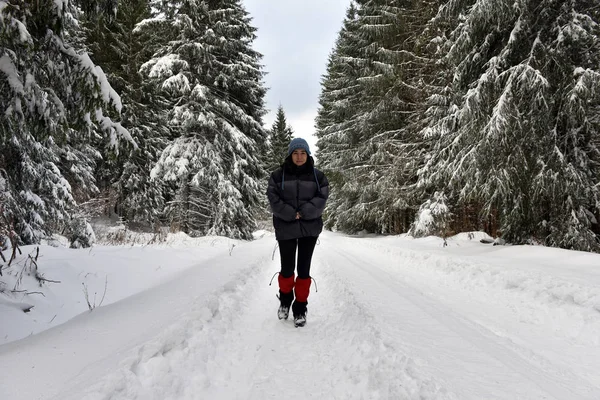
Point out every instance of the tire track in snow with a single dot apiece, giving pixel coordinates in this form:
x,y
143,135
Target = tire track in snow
x,y
232,346
379,365
535,309
540,288
477,349
337,355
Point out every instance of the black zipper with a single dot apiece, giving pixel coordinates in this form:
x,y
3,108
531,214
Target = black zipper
x,y
297,195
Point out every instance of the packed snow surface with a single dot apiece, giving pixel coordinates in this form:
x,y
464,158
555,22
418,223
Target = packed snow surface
x,y
393,318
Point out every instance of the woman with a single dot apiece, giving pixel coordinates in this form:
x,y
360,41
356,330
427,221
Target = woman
x,y
297,193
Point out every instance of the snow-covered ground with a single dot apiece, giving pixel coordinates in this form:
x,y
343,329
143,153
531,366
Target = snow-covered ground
x,y
393,318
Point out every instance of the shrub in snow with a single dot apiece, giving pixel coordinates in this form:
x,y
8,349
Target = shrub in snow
x,y
82,234
21,274
433,218
56,241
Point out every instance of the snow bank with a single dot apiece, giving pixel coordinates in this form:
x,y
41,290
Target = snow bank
x,y
82,279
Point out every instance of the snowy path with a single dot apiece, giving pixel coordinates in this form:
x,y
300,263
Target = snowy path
x,y
391,320
239,350
471,361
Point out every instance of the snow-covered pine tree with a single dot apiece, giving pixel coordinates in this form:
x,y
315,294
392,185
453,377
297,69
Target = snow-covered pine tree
x,y
374,74
7,204
98,8
433,218
120,49
213,77
370,165
81,233
54,101
338,126
279,139
393,94
516,129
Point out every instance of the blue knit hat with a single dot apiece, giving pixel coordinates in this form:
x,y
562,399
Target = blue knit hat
x,y
298,143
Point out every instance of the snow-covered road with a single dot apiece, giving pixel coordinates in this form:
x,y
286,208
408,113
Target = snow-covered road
x,y
393,318
442,334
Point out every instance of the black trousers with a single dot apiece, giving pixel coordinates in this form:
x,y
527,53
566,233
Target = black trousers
x,y
287,251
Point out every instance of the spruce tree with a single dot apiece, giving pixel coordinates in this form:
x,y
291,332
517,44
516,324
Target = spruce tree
x,y
280,136
121,47
391,150
55,102
213,79
516,132
374,78
338,126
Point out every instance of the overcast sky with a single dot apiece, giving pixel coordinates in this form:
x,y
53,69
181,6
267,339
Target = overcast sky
x,y
295,38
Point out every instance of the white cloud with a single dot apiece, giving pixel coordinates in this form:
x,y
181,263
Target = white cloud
x,y
304,126
295,39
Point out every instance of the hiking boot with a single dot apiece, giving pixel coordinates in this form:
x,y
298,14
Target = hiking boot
x,y
283,312
299,320
285,300
299,309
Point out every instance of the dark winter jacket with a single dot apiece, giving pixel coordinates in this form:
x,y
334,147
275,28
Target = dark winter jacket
x,y
295,189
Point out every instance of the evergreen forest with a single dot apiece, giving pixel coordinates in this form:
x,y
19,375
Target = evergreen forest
x,y
439,117
434,118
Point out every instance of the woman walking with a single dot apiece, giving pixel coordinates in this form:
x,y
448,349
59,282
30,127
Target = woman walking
x,y
297,194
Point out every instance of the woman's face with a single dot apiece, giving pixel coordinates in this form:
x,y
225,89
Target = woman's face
x,y
299,157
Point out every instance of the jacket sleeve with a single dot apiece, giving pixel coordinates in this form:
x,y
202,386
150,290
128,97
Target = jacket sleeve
x,y
314,208
279,208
